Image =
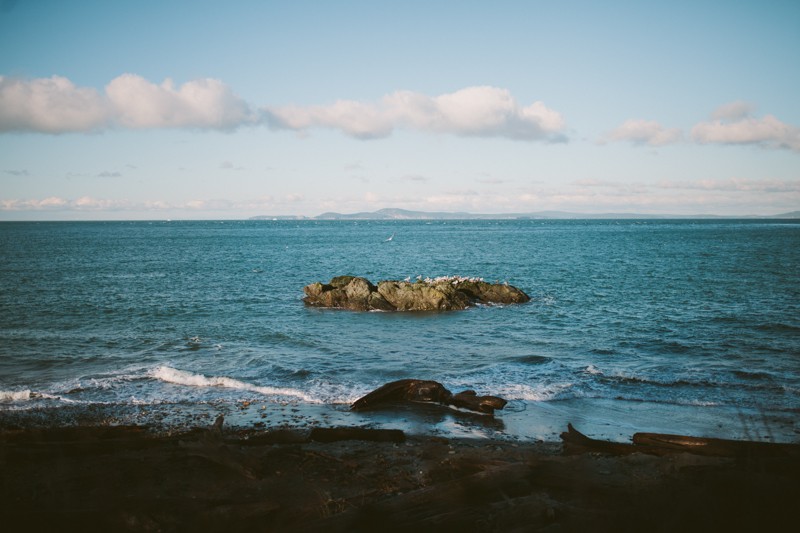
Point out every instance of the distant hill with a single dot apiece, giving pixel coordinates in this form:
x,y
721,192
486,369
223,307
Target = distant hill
x,y
793,214
404,214
396,214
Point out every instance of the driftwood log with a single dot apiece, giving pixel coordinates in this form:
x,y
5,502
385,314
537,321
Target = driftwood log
x,y
418,390
664,444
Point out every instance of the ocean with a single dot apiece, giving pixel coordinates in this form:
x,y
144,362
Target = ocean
x,y
677,326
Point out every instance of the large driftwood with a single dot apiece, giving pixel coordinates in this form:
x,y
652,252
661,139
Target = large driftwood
x,y
716,447
663,444
576,442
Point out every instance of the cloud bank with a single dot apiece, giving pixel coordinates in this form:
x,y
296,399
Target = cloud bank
x,y
732,123
732,196
204,103
647,132
56,105
50,105
474,111
88,204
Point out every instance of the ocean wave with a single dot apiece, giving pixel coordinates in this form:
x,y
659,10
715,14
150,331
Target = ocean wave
x,y
537,393
669,401
593,370
778,327
180,377
15,396
746,381
338,393
28,399
530,359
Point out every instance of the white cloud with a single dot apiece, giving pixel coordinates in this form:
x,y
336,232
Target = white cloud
x,y
51,202
647,132
50,105
730,124
204,103
88,204
733,111
724,197
473,111
56,105
767,131
363,121
735,185
735,196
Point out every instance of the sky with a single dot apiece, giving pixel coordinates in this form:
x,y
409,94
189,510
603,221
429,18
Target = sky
x,y
225,110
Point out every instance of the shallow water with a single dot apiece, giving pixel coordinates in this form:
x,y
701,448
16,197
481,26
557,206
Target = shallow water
x,y
642,325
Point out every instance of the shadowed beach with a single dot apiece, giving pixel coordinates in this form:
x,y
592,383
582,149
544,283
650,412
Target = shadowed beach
x,y
129,478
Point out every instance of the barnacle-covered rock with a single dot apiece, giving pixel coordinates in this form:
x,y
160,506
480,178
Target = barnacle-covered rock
x,y
437,294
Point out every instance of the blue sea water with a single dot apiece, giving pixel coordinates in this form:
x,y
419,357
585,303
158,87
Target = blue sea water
x,y
633,324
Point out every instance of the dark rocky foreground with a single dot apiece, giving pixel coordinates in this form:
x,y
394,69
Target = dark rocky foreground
x,y
357,479
440,294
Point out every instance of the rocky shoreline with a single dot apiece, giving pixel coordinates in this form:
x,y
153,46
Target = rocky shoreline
x,y
356,479
439,294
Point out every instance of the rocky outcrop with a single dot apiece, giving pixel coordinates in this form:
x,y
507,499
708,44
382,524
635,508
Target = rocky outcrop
x,y
439,294
419,390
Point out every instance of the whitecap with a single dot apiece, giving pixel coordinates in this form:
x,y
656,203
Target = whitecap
x,y
180,377
15,396
540,393
591,369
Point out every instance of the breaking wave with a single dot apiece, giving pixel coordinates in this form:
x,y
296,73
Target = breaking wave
x,y
180,377
15,396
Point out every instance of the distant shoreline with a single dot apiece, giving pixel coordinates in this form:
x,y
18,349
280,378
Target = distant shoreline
x,y
403,214
398,215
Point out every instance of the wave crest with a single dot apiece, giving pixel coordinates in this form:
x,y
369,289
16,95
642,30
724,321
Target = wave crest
x,y
180,377
15,396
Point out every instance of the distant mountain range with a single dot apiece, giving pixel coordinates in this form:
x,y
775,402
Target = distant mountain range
x,y
404,214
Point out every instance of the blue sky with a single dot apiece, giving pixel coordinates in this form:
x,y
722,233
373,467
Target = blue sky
x,y
153,110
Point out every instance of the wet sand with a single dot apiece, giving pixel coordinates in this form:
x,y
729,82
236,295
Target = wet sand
x,y
221,478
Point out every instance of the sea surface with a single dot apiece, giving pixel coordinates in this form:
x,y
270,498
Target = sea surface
x,y
678,326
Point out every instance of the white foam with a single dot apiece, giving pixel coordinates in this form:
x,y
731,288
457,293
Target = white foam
x,y
540,393
15,396
699,403
179,377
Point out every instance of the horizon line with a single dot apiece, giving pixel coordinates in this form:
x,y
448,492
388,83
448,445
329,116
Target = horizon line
x,y
388,214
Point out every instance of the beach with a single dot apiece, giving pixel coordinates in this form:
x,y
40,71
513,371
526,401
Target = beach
x,y
218,478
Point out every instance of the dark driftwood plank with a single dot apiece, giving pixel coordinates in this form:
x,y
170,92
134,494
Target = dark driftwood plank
x,y
576,442
663,444
716,447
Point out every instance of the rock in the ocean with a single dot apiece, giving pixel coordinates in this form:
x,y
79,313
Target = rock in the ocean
x,y
440,294
419,390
